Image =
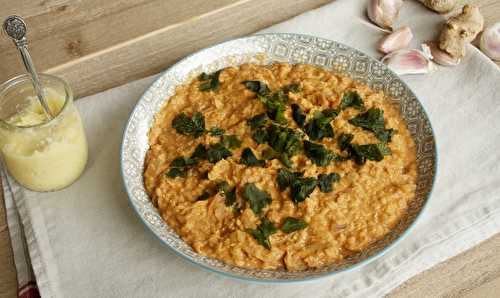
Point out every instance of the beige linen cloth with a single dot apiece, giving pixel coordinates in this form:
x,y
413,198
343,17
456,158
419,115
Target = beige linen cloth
x,y
86,241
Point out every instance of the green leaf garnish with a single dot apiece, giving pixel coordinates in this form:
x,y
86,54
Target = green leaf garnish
x,y
374,152
275,103
200,152
180,162
260,136
258,199
344,140
301,188
284,140
293,88
193,126
276,106
249,159
298,115
291,224
325,181
257,121
217,152
318,154
352,99
216,131
231,141
209,81
227,192
180,165
361,153
176,172
262,232
319,126
257,87
373,120
285,178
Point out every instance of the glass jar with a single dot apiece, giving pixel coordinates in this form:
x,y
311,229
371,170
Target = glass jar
x,y
41,154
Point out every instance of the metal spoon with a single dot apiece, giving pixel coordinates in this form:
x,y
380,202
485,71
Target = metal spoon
x,y
15,27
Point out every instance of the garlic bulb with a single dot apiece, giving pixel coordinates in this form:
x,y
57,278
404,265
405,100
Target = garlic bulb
x,y
397,40
384,12
441,57
490,42
409,61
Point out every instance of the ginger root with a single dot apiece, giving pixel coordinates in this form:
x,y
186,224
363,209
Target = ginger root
x,y
461,30
441,6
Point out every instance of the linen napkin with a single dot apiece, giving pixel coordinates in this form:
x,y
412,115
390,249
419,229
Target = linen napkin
x,y
87,241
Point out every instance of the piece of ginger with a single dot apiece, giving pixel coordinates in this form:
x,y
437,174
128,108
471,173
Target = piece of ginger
x,y
441,6
461,30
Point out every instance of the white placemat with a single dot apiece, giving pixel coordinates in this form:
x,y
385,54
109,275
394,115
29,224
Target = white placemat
x,y
85,241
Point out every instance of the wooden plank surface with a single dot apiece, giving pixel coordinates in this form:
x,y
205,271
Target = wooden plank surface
x,y
90,36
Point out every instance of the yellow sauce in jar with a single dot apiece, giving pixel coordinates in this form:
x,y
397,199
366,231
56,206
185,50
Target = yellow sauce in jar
x,y
45,155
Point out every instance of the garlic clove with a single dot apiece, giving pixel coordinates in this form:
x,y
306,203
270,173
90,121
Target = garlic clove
x,y
384,12
490,42
409,61
441,57
397,40
373,26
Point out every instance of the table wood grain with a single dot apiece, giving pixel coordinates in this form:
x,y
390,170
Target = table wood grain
x,y
91,35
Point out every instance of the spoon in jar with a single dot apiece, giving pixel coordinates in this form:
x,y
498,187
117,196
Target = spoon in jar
x,y
15,27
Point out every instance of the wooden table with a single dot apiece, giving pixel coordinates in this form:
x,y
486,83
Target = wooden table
x,y
96,34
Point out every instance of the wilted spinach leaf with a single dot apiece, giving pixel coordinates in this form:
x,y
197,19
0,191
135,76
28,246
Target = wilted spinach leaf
x,y
318,154
298,115
194,126
258,199
260,136
231,141
301,188
291,224
344,140
285,178
325,181
228,193
319,126
209,81
373,120
176,172
293,88
257,121
375,152
216,131
217,152
180,165
262,232
352,99
275,103
284,140
200,152
249,159
257,87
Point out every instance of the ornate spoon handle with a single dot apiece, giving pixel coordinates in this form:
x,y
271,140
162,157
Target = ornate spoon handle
x,y
16,28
